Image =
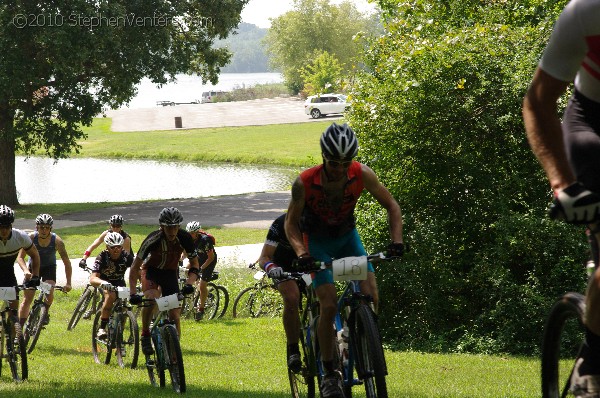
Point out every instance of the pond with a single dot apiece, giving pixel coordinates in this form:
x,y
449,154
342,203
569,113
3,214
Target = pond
x,y
40,180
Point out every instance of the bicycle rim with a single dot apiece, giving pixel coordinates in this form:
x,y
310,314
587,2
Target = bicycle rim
x,y
371,366
80,308
101,348
187,308
127,347
174,358
16,351
302,384
36,326
243,303
565,316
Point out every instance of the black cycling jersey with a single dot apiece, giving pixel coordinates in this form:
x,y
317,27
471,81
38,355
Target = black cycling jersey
x,y
204,244
284,253
157,252
112,270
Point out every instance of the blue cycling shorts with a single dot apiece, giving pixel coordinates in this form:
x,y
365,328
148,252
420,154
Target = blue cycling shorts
x,y
328,248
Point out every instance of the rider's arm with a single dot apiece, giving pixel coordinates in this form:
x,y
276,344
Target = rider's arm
x,y
94,245
292,220
33,253
192,277
544,130
62,251
127,244
266,255
386,200
95,279
134,274
210,256
23,264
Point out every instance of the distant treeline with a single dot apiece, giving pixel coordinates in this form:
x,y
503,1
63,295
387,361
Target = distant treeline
x,y
249,54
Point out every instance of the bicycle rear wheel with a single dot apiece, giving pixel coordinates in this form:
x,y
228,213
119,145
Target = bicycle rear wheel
x,y
174,358
34,325
565,314
223,300
212,302
127,347
102,348
370,359
16,350
80,308
244,303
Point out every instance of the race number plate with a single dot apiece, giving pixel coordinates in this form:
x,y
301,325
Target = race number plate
x,y
45,287
167,302
259,275
8,293
350,268
122,292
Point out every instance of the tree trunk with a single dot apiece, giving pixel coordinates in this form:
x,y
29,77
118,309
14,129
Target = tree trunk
x,y
8,184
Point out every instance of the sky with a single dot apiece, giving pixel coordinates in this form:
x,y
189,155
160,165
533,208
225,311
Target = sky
x,y
258,12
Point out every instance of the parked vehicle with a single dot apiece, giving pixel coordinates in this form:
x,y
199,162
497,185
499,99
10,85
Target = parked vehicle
x,y
324,104
208,96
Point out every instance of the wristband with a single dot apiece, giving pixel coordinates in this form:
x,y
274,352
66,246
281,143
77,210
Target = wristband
x,y
87,253
268,266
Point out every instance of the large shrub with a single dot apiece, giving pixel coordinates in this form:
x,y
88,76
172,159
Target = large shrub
x,y
439,119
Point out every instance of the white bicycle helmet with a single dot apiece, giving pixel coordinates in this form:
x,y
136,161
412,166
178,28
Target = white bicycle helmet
x,y
113,239
170,216
117,219
7,215
44,219
193,226
339,142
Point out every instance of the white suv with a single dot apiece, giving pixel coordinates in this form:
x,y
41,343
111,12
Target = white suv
x,y
321,105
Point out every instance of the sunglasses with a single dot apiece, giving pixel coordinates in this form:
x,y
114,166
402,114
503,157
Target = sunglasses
x,y
339,163
115,247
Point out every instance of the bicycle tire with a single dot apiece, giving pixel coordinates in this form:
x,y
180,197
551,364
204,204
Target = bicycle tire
x,y
187,306
34,325
243,303
223,300
302,384
370,359
128,336
102,349
152,365
212,302
569,307
174,358
17,353
80,308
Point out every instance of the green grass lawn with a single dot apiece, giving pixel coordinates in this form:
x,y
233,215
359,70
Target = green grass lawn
x,y
233,358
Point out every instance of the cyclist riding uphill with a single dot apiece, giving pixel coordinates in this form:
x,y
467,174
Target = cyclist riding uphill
x,y
157,262
47,243
109,271
116,225
568,151
320,225
11,242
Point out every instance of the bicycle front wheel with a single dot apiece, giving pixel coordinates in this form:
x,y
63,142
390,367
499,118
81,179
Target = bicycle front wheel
x,y
102,348
223,300
174,358
302,384
371,367
34,325
244,304
566,314
80,308
127,340
16,350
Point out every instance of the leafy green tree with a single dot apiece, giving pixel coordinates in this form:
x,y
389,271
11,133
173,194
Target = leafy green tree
x,y
322,75
313,27
438,113
248,52
65,60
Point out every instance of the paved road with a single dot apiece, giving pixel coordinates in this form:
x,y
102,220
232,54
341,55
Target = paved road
x,y
242,113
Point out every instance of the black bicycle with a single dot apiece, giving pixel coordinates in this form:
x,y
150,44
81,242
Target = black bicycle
x,y
122,333
12,343
260,299
165,340
88,304
38,316
216,303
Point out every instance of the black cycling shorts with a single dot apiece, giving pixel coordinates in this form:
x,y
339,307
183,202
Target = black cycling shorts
x,y
581,131
168,280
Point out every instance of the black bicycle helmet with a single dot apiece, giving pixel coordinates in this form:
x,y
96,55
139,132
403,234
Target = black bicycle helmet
x,y
7,216
117,219
44,219
170,216
339,142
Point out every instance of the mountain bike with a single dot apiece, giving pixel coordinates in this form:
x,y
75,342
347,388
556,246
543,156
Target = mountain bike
x,y
122,333
38,316
260,299
357,333
165,340
88,304
12,343
216,303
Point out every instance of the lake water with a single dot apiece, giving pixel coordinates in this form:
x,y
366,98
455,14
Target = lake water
x,y
39,180
189,88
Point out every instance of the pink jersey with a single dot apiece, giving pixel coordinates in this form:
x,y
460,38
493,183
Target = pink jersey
x,y
573,52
